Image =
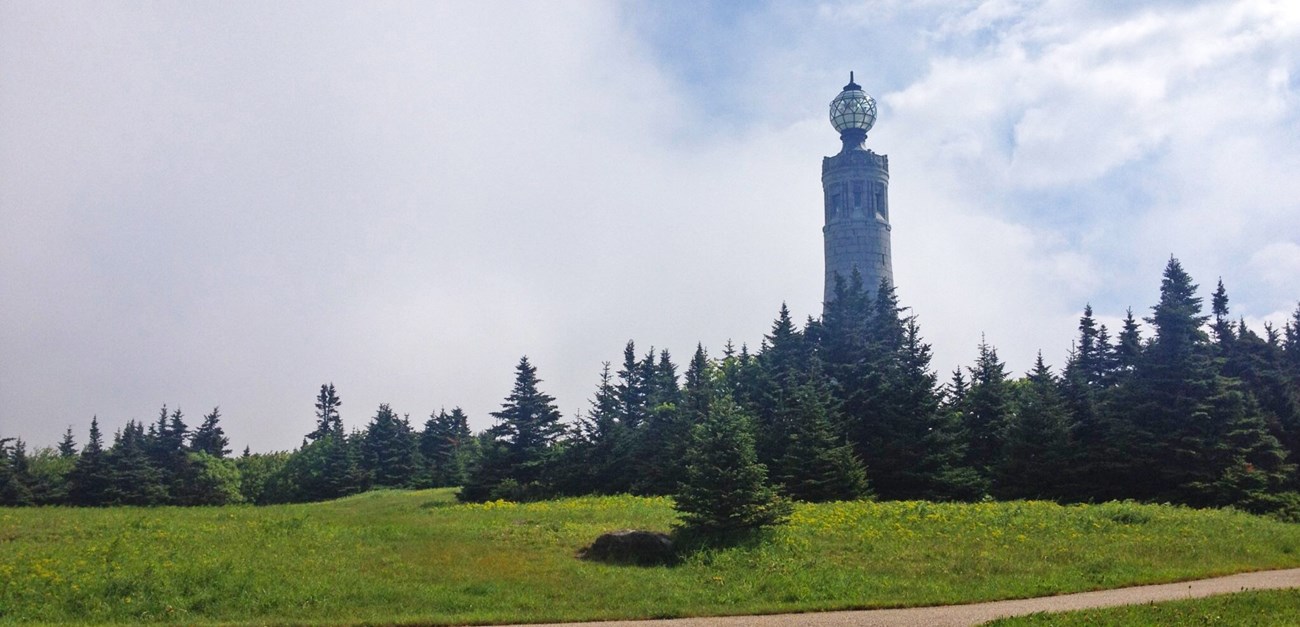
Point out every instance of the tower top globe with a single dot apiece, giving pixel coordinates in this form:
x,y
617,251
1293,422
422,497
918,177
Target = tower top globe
x,y
853,111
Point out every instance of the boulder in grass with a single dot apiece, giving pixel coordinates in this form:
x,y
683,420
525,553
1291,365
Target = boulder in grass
x,y
631,546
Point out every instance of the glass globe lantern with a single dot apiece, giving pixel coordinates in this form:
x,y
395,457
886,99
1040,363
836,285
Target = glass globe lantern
x,y
853,112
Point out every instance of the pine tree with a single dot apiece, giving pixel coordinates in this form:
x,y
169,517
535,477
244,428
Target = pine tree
x,y
15,486
632,389
818,466
1037,446
1090,363
665,435
782,368
136,479
725,488
986,411
444,437
1222,327
519,448
1185,412
67,446
1291,347
598,458
210,438
327,413
91,476
923,453
1128,348
389,449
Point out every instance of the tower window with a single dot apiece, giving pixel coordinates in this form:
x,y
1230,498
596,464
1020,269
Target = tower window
x,y
857,194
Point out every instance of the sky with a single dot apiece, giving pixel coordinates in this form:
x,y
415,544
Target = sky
x,y
217,203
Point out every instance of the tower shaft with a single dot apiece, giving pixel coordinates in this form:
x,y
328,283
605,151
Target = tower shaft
x,y
855,183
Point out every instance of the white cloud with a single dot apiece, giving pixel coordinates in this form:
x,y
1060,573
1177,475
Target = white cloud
x,y
1278,264
213,204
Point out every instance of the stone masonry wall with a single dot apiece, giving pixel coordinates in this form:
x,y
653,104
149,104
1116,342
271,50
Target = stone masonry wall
x,y
856,186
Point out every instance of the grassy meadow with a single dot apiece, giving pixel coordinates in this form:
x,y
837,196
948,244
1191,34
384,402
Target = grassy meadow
x,y
395,557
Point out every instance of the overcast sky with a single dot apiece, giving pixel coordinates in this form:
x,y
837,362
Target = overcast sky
x,y
230,203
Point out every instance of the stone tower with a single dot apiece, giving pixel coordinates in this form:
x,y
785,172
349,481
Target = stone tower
x,y
855,184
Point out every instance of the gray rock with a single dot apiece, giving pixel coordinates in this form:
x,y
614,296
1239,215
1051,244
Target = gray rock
x,y
631,546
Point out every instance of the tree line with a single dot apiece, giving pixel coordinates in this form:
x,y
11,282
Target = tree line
x,y
1204,411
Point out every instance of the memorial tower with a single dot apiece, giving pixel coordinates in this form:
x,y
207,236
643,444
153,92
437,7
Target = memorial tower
x,y
855,184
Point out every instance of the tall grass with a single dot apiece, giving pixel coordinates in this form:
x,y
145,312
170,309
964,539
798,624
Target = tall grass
x,y
420,557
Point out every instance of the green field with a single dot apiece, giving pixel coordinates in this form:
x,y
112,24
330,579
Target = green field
x,y
419,557
1273,608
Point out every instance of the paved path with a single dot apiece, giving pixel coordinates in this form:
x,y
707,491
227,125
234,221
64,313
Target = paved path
x,y
977,613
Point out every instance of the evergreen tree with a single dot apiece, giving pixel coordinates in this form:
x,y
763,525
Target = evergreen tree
x,y
91,476
665,435
1098,442
136,479
598,456
919,447
210,438
442,442
389,449
632,389
782,369
1291,347
817,466
843,329
14,482
67,446
725,488
1185,412
1089,364
1037,447
328,420
519,448
986,411
1128,348
1222,327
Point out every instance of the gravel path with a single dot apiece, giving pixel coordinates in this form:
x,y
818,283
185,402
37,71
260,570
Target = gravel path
x,y
977,613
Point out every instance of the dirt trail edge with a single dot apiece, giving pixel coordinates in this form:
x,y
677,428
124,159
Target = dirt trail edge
x,y
977,613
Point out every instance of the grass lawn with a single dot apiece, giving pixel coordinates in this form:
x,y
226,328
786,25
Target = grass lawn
x,y
1272,608
396,557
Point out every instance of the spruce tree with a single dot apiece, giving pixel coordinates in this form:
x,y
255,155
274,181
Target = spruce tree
x,y
15,489
90,478
136,479
519,448
1037,445
389,449
632,389
442,442
817,465
665,435
924,455
210,438
1193,425
1128,347
1222,326
67,446
328,420
597,458
986,410
1291,347
782,369
726,488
